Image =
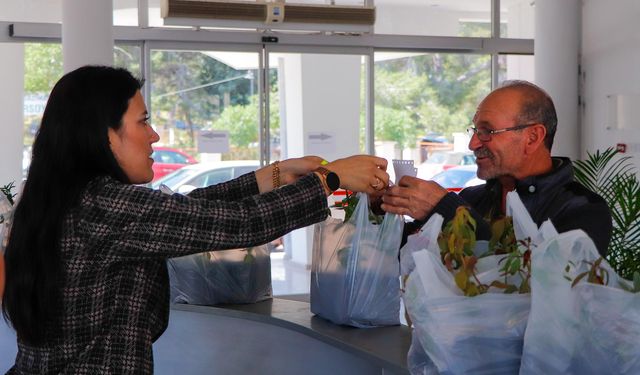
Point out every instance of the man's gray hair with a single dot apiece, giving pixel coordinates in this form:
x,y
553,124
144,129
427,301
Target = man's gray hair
x,y
536,107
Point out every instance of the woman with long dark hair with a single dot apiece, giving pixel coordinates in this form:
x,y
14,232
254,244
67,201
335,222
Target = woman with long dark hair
x,y
86,279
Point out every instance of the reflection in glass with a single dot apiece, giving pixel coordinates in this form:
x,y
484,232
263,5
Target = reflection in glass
x,y
206,90
434,17
517,19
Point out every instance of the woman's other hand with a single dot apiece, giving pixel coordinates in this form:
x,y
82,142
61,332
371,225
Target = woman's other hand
x,y
285,172
292,169
361,173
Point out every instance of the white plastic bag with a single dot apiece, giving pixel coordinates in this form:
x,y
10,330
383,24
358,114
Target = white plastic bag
x,y
221,277
355,269
587,329
466,335
6,214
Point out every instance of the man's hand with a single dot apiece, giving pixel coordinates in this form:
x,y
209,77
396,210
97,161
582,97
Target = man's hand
x,y
413,197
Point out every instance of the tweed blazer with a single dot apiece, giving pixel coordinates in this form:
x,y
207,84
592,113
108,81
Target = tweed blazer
x,y
114,246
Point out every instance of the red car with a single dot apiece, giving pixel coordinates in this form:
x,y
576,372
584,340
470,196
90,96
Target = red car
x,y
167,160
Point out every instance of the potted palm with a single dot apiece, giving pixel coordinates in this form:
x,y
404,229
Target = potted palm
x,y
615,179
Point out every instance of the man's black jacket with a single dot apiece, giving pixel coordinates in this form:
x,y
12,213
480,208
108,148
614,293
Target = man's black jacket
x,y
556,196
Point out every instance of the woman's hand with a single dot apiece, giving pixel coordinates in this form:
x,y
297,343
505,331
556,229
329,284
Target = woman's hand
x,y
364,173
361,173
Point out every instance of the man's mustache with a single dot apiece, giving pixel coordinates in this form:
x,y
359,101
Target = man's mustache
x,y
483,153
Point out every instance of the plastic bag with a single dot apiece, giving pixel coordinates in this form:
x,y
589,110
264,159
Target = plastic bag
x,y
6,214
464,335
221,277
454,334
355,269
587,329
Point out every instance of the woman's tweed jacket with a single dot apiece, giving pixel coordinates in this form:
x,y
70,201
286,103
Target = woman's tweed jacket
x,y
114,248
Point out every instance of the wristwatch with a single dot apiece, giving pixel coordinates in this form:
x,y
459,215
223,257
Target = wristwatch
x,y
330,178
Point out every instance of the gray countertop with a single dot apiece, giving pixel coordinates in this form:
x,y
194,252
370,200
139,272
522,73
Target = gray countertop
x,y
386,347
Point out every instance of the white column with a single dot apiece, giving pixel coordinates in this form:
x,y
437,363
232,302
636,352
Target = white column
x,y
87,33
322,95
557,48
11,112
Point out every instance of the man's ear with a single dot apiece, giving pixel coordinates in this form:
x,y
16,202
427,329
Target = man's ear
x,y
535,137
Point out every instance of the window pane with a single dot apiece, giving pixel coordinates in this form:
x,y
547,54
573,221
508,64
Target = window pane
x,y
193,91
424,103
434,17
129,57
125,12
42,69
319,101
516,67
517,19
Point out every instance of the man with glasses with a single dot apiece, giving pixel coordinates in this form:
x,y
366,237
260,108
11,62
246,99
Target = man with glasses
x,y
511,137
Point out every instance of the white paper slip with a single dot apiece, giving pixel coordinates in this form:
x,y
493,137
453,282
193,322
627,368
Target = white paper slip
x,y
404,168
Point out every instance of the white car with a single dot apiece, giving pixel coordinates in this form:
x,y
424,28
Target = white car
x,y
457,178
439,161
194,176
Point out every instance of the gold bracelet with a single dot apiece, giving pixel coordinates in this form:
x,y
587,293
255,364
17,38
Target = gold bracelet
x,y
276,174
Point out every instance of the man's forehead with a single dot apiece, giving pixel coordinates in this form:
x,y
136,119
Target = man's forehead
x,y
497,107
489,115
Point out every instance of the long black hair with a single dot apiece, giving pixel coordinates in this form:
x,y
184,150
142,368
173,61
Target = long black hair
x,y
70,149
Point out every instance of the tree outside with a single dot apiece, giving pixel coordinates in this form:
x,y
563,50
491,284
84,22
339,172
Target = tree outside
x,y
415,95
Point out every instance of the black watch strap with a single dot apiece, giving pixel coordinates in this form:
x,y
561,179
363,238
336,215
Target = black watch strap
x,y
330,178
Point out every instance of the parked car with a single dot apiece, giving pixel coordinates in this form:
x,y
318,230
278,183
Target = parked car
x,y
457,178
200,175
167,160
439,161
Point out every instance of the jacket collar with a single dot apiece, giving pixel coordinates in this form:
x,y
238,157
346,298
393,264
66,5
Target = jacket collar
x,y
560,174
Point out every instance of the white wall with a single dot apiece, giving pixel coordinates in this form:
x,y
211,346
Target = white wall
x,y
557,44
11,108
611,67
319,98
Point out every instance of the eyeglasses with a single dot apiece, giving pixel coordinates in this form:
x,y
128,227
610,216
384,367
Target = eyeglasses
x,y
485,134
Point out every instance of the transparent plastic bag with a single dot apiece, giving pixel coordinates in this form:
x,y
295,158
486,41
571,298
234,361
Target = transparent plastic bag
x,y
426,237
587,329
355,269
221,277
464,335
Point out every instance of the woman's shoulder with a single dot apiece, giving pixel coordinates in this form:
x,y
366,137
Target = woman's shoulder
x,y
109,188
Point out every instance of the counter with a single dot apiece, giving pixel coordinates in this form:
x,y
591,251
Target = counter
x,y
279,336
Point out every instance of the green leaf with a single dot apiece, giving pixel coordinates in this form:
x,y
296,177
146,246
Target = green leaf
x,y
615,179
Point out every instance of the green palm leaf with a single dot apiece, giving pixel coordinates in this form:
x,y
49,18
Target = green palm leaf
x,y
615,180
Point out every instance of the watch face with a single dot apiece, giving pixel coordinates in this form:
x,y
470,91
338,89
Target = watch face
x,y
333,181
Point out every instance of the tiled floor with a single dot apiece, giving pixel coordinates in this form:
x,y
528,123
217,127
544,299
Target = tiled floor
x,y
287,277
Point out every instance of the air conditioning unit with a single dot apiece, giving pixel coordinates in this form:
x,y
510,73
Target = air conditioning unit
x,y
268,15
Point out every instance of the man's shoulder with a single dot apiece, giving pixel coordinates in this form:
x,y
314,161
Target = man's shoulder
x,y
579,190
